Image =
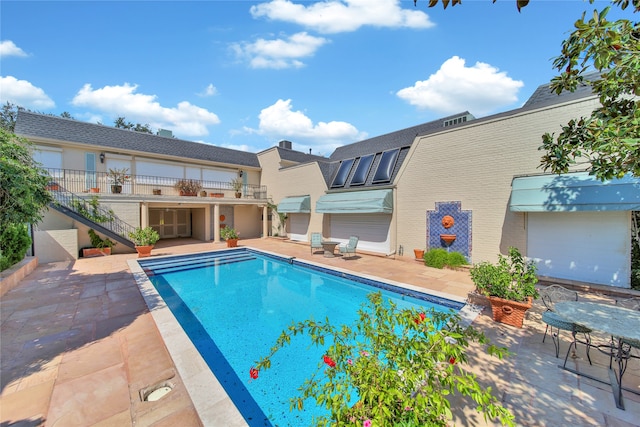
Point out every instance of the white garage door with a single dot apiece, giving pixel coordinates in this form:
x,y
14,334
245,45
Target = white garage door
x,y
372,229
591,247
299,226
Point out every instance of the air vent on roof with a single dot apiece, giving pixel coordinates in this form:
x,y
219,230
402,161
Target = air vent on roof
x,y
458,120
165,132
285,144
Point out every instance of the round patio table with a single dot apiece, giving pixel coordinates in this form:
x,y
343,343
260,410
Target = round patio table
x,y
621,323
329,246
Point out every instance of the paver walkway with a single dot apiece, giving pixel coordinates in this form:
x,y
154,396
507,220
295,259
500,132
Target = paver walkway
x,y
78,345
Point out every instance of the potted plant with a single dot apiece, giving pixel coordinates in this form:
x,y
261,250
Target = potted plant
x,y
99,246
144,239
118,177
230,235
188,187
237,187
419,254
509,284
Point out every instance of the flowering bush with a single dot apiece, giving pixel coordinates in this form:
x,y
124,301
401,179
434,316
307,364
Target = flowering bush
x,y
391,368
118,176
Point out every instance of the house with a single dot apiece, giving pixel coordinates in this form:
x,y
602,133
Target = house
x,y
465,184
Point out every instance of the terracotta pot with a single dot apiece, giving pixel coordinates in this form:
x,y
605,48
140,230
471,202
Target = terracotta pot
x,y
232,243
238,195
509,312
419,253
94,252
144,251
157,192
216,195
188,193
448,238
117,189
95,189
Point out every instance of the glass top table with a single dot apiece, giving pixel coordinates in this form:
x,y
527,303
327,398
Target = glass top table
x,y
621,323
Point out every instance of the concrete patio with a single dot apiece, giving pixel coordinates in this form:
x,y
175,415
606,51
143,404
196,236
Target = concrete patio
x,y
78,345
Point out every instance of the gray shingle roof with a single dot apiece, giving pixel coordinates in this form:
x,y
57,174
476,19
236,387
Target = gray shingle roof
x,y
30,124
299,156
544,96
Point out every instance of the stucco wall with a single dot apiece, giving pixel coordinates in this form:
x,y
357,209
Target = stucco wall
x,y
299,180
475,164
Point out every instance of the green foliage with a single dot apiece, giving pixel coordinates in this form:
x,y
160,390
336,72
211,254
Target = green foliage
x,y
98,242
237,185
511,278
282,217
91,210
439,258
122,123
398,365
144,236
23,192
14,242
228,233
608,140
8,116
118,176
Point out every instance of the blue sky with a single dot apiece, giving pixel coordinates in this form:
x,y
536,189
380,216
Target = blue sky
x,y
245,74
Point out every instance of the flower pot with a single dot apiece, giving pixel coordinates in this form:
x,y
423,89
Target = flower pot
x,y
94,252
188,193
116,189
238,195
218,195
419,253
232,243
94,189
509,312
53,187
157,192
144,251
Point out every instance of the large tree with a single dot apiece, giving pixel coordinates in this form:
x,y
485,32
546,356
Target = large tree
x,y
607,142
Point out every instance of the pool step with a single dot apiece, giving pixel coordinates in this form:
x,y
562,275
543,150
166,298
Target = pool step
x,y
173,264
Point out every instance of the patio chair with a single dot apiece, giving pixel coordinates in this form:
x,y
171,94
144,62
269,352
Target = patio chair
x,y
316,241
350,247
551,295
632,303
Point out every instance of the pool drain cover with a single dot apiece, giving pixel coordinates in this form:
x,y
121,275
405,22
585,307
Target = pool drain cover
x,y
156,392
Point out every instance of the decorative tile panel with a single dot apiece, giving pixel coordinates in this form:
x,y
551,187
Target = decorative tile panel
x,y
461,227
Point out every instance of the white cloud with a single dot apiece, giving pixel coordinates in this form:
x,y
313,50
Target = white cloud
x,y
210,90
480,89
334,16
279,53
279,121
8,48
184,119
23,94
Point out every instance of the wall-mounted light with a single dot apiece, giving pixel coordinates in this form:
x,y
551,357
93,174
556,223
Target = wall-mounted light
x,y
241,173
101,157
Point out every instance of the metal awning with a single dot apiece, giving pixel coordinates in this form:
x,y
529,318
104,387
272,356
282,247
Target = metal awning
x,y
574,192
373,201
299,204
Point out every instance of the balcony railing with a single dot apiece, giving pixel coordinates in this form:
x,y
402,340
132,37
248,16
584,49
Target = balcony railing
x,y
80,181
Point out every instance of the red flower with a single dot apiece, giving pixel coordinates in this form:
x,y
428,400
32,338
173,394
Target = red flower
x,y
329,361
420,318
452,360
253,372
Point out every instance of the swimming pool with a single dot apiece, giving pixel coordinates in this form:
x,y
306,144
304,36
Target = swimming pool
x,y
233,304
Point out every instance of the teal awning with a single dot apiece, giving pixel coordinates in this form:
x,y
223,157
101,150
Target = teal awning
x,y
574,192
373,201
300,204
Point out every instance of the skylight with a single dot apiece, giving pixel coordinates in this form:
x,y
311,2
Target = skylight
x,y
385,167
343,173
362,170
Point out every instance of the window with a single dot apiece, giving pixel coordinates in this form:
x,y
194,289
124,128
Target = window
x,y
343,173
362,170
385,167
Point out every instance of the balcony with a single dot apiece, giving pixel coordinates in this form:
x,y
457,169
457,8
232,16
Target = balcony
x,y
80,181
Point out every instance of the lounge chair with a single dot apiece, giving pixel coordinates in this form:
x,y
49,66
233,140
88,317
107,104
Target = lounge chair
x,y
551,295
350,247
316,241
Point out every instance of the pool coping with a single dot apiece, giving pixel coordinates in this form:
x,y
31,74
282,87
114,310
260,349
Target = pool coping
x,y
211,401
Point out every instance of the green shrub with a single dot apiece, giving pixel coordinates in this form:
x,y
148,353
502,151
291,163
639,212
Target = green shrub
x,y
14,243
439,258
436,258
98,242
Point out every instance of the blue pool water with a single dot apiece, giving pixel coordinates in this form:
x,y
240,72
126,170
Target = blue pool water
x,y
234,304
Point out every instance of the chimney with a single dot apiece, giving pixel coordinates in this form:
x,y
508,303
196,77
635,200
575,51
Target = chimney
x,y
285,144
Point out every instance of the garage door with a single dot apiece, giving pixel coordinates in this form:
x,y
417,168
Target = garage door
x,y
372,229
590,247
299,226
